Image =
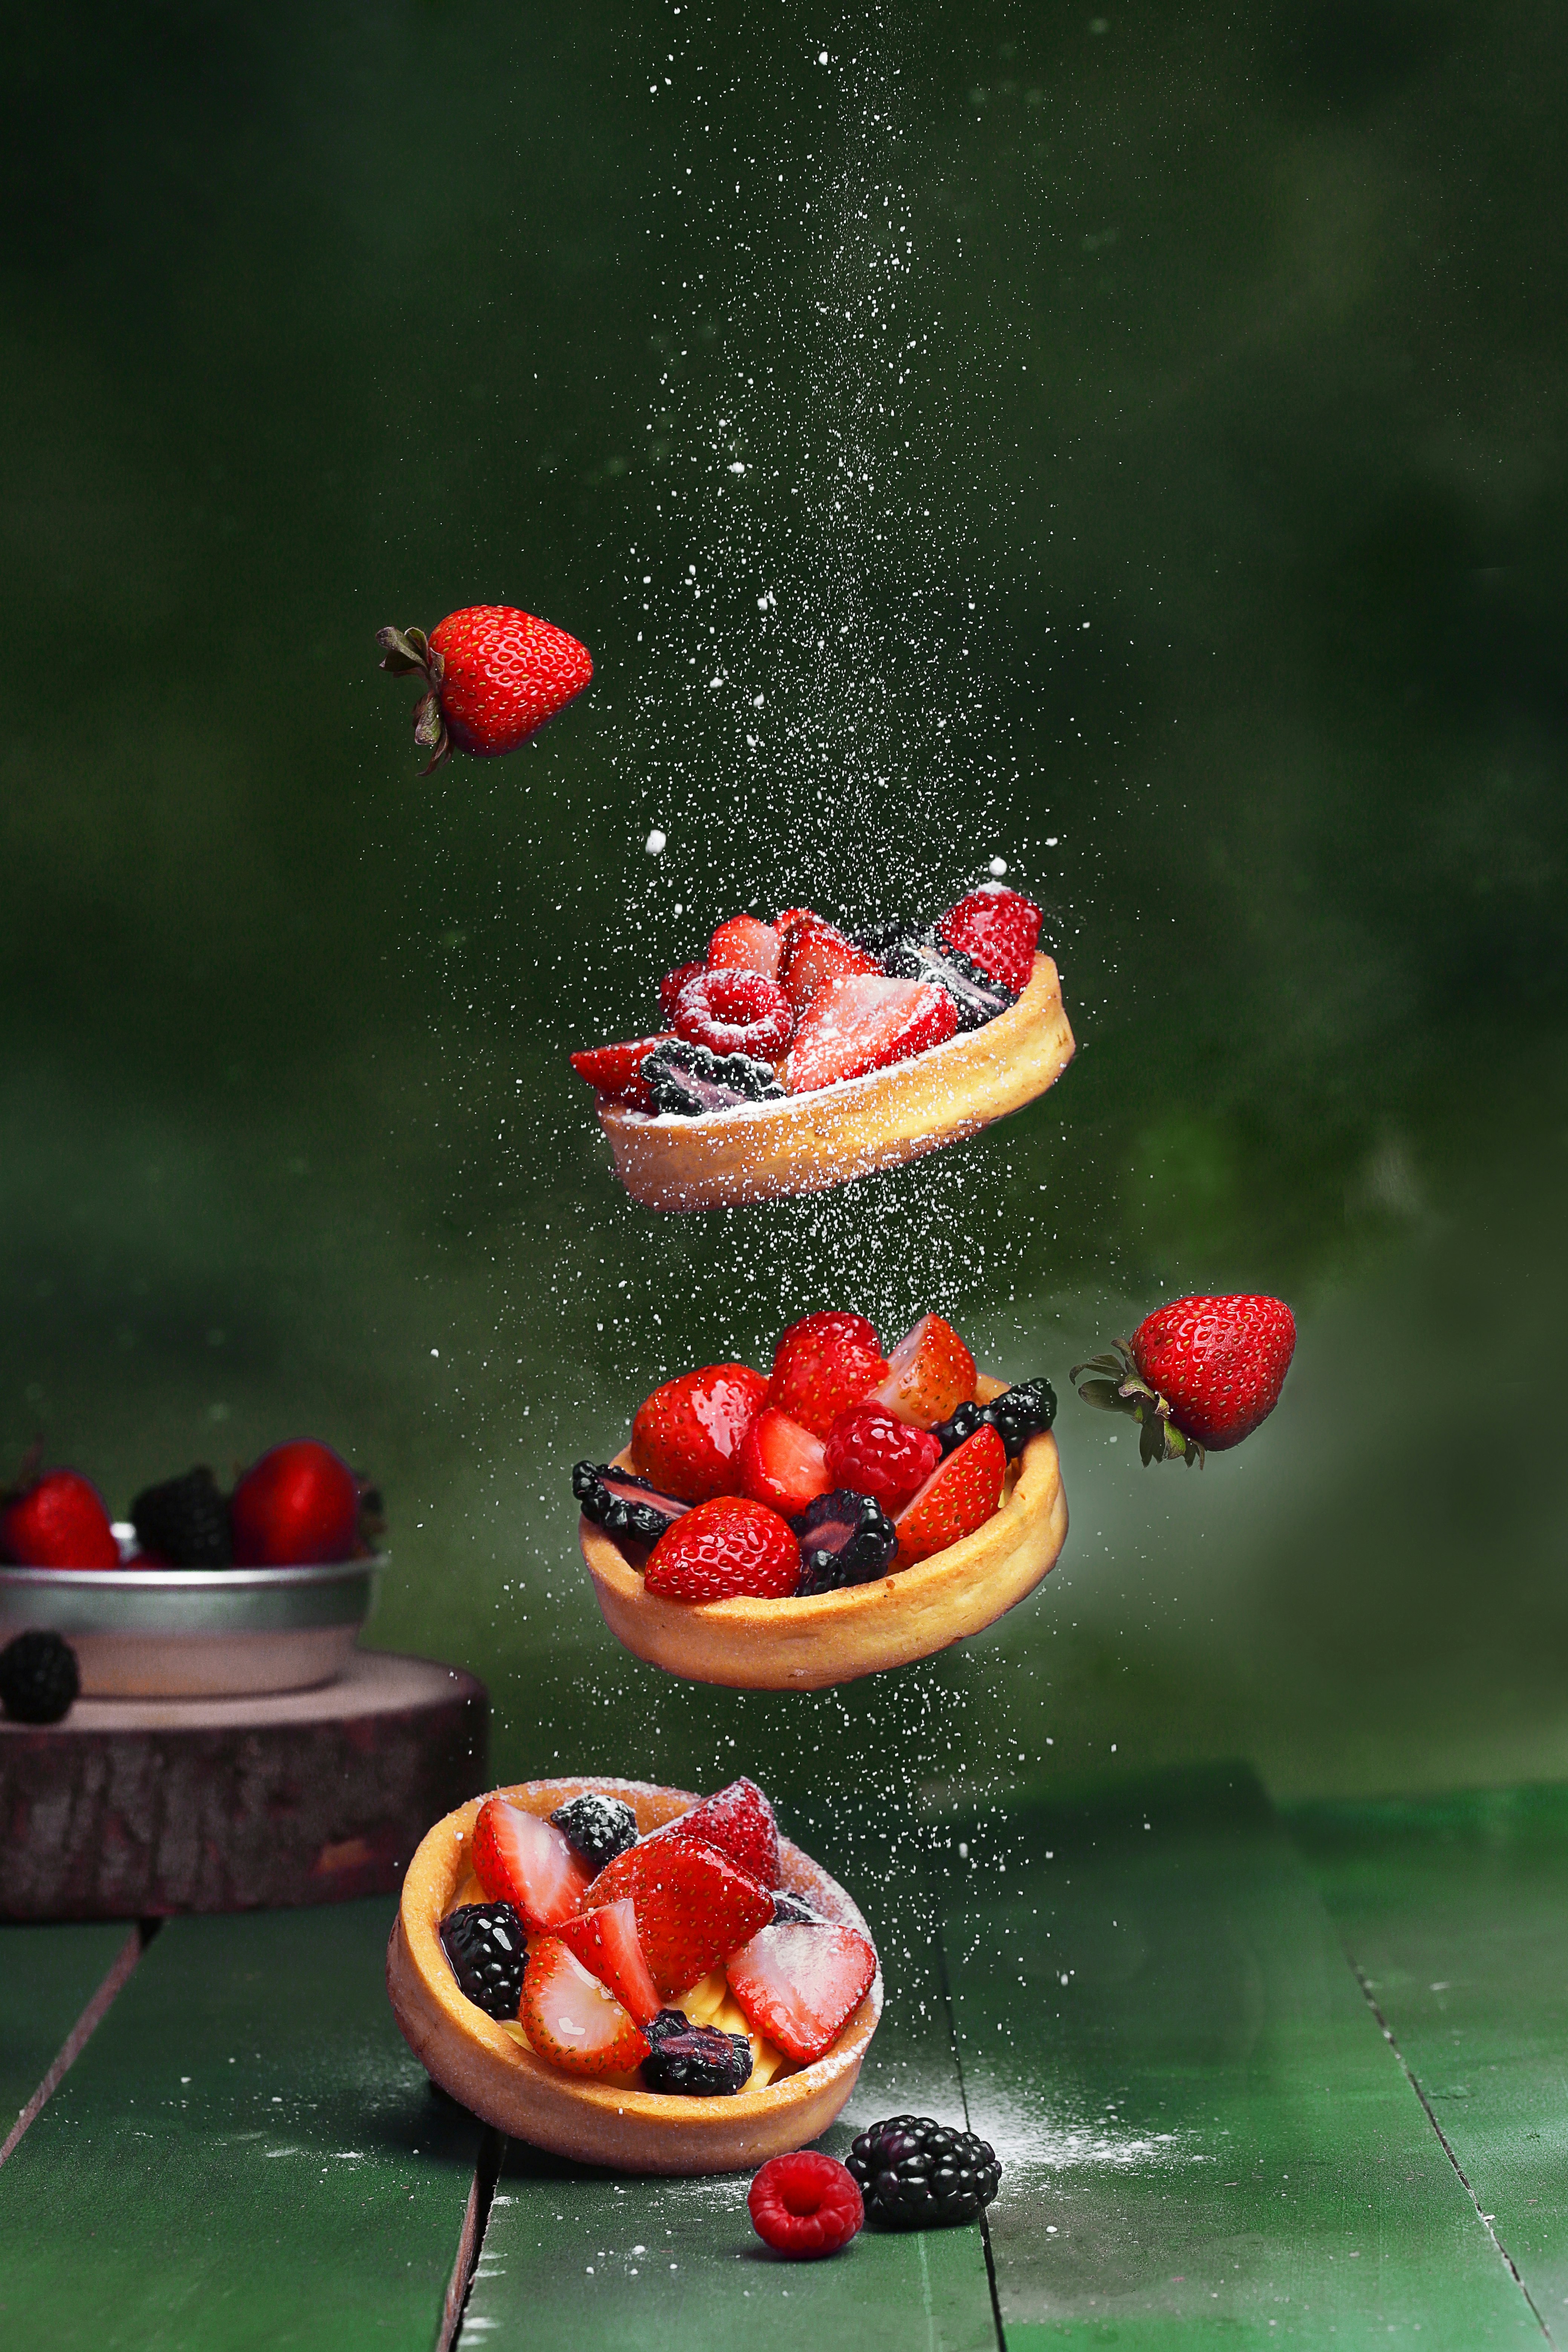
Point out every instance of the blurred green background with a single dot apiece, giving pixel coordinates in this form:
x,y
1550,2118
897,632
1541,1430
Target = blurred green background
x,y
1129,445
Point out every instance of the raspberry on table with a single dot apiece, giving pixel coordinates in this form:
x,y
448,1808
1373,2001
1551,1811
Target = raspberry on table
x,y
806,2205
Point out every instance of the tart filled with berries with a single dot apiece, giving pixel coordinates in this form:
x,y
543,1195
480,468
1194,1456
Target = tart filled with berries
x,y
632,1975
795,1056
851,1512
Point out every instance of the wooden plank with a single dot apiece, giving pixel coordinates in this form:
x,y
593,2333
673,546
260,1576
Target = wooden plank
x,y
48,1978
1455,1911
246,2158
584,2262
1206,2137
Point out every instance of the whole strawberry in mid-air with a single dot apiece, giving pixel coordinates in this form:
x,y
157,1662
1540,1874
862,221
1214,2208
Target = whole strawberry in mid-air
x,y
56,1518
492,676
1198,1375
298,1507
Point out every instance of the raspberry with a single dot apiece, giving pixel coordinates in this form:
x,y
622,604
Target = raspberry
x,y
874,1453
724,1548
735,1013
805,2205
670,986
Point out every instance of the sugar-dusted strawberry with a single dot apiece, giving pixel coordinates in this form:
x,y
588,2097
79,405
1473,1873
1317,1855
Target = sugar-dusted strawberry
x,y
739,1821
787,918
864,1022
960,1495
815,953
521,1859
726,1549
823,1365
735,1013
670,986
1197,1375
929,1372
614,1072
56,1519
298,1507
571,2018
996,928
686,1438
605,1941
694,1906
871,1451
744,944
782,1464
492,676
800,1986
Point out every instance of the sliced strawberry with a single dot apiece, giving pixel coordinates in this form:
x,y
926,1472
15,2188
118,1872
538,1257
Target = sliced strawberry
x,y
521,1859
864,1023
744,944
739,1821
822,1366
800,1986
787,918
815,953
931,1373
571,2018
687,1435
605,1941
693,1906
782,1464
614,1072
670,986
996,928
960,1496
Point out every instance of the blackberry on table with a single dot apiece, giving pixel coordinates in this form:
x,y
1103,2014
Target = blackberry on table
x,y
697,2062
597,1827
916,2174
845,1538
692,1080
184,1520
622,1503
486,1945
39,1682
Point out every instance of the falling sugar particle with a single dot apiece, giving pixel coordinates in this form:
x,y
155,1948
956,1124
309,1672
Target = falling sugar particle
x,y
656,843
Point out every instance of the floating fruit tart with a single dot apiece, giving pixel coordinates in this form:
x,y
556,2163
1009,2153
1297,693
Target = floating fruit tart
x,y
853,1512
795,1055
633,1976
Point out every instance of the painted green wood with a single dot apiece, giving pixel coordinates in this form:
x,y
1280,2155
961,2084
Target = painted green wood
x,y
1456,1912
48,1978
1207,2139
585,2261
245,2159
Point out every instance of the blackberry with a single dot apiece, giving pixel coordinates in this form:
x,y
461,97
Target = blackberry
x,y
845,1538
692,1079
915,2174
878,937
598,1828
1018,1414
623,1504
487,1944
977,998
38,1678
697,2061
962,1423
184,1521
789,1911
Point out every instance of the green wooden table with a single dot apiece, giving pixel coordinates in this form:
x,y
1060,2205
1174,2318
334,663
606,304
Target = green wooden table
x,y
1255,2081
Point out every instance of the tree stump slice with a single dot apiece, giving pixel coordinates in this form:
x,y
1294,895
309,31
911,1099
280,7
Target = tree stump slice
x,y
144,1808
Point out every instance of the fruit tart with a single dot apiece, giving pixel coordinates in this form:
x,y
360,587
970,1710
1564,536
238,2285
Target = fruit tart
x,y
795,1056
850,1513
633,1976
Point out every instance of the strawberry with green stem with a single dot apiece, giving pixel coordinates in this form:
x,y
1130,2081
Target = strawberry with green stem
x,y
1197,1375
493,674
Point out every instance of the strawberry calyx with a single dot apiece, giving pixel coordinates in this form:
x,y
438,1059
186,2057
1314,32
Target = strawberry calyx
x,y
1116,1385
408,653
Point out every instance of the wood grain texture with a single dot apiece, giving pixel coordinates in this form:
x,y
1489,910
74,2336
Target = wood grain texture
x,y
1206,2137
244,2160
136,1809
1454,1912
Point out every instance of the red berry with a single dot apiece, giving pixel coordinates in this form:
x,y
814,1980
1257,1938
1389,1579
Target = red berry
x,y
823,1365
687,1437
605,1940
739,1821
800,1986
782,1464
744,944
1220,1362
614,1072
670,986
57,1520
493,674
693,1906
874,1453
521,1859
866,1023
931,1373
805,2205
572,2019
815,953
960,1496
724,1549
735,1013
296,1508
996,928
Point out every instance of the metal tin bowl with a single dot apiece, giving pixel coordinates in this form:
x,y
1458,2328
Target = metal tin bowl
x,y
195,1632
